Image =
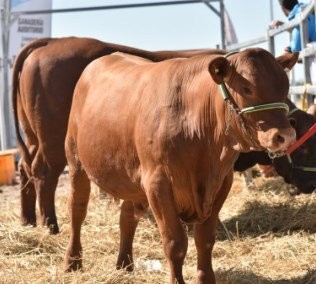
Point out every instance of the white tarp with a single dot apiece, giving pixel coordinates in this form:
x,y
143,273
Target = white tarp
x,y
22,30
28,27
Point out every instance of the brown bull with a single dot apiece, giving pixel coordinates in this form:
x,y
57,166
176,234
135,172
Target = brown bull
x,y
162,134
44,77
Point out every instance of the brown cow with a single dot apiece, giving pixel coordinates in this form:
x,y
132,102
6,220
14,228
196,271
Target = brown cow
x,y
44,77
162,134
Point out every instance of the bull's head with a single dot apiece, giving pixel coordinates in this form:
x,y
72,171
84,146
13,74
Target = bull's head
x,y
255,86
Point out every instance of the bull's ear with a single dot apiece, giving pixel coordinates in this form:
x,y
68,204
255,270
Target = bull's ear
x,y
219,69
288,60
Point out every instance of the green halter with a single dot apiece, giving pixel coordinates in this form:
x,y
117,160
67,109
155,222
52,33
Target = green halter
x,y
302,168
269,106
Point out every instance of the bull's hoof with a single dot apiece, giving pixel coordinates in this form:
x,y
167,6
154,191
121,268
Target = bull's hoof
x,y
128,265
53,229
26,221
73,264
205,277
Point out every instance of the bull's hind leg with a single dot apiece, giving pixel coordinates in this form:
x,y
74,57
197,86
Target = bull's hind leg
x,y
77,208
174,239
129,218
28,198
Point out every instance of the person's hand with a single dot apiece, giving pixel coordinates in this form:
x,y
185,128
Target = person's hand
x,y
274,24
287,49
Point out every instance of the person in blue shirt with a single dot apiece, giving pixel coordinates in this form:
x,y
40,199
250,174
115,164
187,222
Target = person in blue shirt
x,y
291,9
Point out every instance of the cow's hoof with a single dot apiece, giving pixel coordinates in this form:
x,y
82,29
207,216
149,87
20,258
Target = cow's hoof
x,y
293,190
51,224
73,264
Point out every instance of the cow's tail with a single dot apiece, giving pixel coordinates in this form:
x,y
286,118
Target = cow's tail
x,y
17,68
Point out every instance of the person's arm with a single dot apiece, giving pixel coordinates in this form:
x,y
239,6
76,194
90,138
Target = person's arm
x,y
295,43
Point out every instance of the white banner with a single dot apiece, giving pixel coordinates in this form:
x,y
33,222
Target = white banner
x,y
22,30
28,27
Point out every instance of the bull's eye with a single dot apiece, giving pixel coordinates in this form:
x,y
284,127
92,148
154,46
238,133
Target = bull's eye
x,y
246,91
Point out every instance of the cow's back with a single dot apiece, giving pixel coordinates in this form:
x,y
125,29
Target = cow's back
x,y
49,77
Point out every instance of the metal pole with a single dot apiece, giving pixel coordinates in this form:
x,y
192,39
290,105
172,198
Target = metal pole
x,y
5,70
223,35
271,11
305,59
111,7
4,74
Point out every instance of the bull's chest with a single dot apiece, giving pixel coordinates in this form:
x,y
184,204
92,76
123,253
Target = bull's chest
x,y
196,197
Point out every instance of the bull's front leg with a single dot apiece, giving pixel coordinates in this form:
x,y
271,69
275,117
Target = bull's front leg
x,y
174,239
204,237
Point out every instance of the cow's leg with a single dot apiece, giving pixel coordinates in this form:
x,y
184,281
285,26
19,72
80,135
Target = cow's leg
x,y
46,171
174,239
77,206
204,237
28,198
129,219
45,190
248,179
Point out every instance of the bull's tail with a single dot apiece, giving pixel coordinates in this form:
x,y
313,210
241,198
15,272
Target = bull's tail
x,y
17,68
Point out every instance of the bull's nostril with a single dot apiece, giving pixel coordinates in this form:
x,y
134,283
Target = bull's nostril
x,y
280,139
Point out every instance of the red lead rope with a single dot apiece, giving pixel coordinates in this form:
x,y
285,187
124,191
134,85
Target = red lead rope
x,y
300,141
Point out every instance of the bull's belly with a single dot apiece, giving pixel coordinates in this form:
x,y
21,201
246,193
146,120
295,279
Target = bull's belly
x,y
117,183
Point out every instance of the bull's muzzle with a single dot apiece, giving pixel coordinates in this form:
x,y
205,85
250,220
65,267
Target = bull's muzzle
x,y
277,140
